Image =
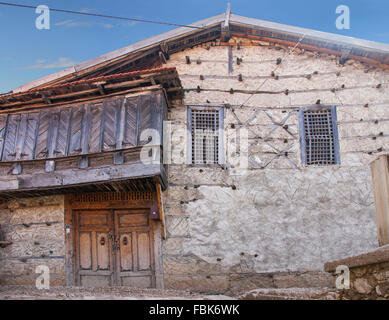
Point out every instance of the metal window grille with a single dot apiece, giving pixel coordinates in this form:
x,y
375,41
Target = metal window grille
x,y
320,147
205,137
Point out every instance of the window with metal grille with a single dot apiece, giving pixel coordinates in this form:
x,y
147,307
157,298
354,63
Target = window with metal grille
x,y
204,136
319,136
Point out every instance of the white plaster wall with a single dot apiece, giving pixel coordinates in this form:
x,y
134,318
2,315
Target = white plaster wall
x,y
281,217
292,220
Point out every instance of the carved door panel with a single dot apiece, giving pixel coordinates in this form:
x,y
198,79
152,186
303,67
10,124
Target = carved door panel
x,y
114,248
134,249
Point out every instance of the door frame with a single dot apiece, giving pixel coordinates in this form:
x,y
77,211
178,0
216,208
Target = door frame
x,y
109,201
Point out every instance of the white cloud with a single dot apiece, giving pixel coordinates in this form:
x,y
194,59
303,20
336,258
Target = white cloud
x,y
86,10
62,62
130,23
5,59
382,35
73,24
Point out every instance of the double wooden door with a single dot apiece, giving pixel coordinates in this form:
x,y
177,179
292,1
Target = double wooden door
x,y
114,248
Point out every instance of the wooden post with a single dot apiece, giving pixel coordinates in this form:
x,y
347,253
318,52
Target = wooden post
x,y
380,175
160,209
69,245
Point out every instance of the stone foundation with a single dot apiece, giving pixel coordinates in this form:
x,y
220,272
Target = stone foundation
x,y
369,275
238,283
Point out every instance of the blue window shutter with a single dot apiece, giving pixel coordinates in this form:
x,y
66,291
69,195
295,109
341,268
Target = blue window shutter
x,y
336,137
189,136
221,157
302,137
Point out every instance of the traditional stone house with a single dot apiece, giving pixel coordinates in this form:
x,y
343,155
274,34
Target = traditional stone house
x,y
265,133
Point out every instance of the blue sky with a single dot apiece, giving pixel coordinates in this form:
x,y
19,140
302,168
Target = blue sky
x,y
27,53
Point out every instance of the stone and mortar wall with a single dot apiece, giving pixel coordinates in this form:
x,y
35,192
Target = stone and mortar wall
x,y
276,224
35,226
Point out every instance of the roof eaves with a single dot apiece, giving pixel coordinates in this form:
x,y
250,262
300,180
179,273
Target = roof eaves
x,y
207,23
311,34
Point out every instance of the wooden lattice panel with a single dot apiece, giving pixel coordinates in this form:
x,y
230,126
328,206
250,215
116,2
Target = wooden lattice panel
x,y
268,136
111,196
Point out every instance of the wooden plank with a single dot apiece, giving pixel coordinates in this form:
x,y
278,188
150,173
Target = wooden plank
x,y
12,132
86,250
21,136
62,132
221,153
3,129
138,120
28,139
120,124
76,246
70,177
126,260
303,146
145,118
130,130
157,117
69,245
110,120
85,130
133,220
101,140
144,246
94,250
160,209
11,183
102,251
158,264
335,134
76,130
52,134
189,136
380,176
95,127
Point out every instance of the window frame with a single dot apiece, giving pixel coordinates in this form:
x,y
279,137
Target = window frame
x,y
189,150
303,146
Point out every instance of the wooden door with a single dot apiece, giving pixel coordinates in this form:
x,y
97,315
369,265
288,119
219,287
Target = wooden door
x,y
114,248
94,260
134,249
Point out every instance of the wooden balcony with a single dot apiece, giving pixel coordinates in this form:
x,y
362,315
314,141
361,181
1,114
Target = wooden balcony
x,y
91,146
